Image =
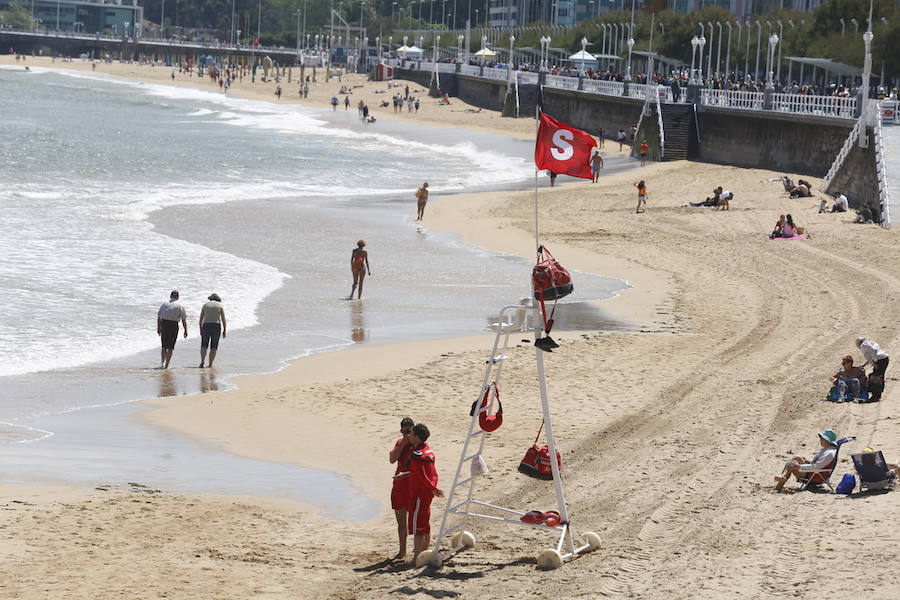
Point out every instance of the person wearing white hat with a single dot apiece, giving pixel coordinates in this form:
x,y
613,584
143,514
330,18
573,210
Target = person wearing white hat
x,y
799,466
879,360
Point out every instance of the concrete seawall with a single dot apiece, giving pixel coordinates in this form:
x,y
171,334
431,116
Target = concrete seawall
x,y
804,144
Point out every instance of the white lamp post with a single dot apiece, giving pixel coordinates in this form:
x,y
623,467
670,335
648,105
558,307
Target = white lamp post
x,y
584,44
509,66
695,41
459,47
867,73
630,43
728,51
701,42
770,62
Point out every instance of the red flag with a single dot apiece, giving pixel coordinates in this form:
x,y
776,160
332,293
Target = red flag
x,y
563,149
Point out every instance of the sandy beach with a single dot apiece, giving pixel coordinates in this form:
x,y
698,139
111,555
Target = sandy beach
x,y
670,431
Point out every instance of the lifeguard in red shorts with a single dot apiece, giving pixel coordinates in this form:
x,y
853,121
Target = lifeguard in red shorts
x,y
423,488
400,489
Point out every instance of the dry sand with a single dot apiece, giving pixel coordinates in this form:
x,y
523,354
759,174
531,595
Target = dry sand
x,y
670,432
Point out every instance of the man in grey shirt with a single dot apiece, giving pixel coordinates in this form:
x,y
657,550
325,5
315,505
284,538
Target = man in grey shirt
x,y
167,327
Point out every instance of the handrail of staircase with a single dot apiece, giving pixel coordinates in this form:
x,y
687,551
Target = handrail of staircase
x,y
696,123
845,151
881,170
662,131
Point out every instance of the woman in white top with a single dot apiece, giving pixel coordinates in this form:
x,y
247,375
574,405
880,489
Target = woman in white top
x,y
212,324
879,360
799,466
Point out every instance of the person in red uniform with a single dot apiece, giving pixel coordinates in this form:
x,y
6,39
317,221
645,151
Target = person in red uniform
x,y
400,489
423,488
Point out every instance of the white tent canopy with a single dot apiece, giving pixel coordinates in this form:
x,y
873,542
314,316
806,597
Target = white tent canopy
x,y
402,49
486,52
584,59
413,52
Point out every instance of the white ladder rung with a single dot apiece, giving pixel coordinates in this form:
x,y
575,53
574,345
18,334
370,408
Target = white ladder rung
x,y
496,359
470,457
455,506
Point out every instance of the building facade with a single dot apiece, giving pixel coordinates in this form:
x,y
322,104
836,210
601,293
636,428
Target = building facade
x,y
82,16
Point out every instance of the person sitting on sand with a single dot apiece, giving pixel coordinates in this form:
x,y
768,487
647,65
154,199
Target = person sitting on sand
x,y
799,466
789,229
849,379
864,214
359,265
724,197
779,227
802,190
840,203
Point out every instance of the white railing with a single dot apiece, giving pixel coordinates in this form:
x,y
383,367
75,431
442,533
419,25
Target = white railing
x,y
881,170
469,69
527,77
495,73
446,68
829,106
637,90
602,86
852,139
662,131
732,99
563,82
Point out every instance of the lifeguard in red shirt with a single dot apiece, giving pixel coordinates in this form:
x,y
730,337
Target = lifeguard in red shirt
x,y
423,488
400,489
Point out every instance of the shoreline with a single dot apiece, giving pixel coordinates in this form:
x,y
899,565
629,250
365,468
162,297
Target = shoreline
x,y
669,434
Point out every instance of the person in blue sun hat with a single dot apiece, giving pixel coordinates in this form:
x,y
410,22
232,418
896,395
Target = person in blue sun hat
x,y
800,467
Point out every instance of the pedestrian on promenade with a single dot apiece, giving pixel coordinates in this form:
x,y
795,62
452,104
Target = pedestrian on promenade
x,y
400,487
167,327
212,326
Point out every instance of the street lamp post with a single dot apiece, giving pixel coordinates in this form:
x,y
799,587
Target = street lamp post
x,y
709,70
843,26
770,63
719,51
694,43
459,47
728,51
781,37
758,42
509,66
702,42
867,73
584,44
747,53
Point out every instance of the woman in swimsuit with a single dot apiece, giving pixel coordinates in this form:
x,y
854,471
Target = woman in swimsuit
x,y
359,265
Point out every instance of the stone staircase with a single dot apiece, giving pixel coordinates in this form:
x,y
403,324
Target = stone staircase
x,y
677,122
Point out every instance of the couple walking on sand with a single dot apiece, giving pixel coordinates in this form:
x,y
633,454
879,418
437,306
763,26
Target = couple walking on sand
x,y
212,326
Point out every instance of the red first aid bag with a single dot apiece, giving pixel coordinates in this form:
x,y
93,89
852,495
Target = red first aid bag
x,y
550,281
537,460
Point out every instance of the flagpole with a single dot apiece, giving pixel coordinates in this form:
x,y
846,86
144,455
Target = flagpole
x,y
537,123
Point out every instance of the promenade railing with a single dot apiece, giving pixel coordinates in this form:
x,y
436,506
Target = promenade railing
x,y
528,77
470,70
446,67
733,99
837,106
562,82
602,86
495,73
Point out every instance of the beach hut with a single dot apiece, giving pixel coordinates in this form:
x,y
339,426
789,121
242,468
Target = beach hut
x,y
584,60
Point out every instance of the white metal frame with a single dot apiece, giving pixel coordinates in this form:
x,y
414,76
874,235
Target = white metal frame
x,y
550,557
570,542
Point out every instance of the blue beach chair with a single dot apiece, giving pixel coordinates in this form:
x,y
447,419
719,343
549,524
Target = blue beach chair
x,y
816,479
873,472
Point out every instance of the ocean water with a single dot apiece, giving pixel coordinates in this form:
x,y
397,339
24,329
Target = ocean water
x,y
116,193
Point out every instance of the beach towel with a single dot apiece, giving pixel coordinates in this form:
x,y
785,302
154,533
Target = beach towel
x,y
793,237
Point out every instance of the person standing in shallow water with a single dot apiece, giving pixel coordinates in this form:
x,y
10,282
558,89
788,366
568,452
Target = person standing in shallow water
x,y
421,200
167,327
359,264
212,326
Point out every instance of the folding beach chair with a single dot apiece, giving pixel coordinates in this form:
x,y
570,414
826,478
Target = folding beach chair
x,y
820,477
873,472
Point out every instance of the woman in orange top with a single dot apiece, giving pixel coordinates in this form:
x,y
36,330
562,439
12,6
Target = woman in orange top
x,y
644,150
359,265
642,195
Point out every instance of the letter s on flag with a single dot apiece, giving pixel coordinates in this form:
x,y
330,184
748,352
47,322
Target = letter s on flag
x,y
563,149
